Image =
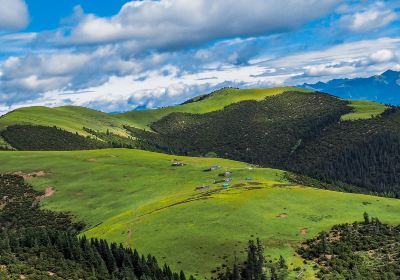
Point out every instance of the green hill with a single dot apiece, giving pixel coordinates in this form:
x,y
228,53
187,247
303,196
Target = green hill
x,y
140,199
213,102
70,118
363,109
283,128
311,133
74,118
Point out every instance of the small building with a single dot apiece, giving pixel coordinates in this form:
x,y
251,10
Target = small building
x,y
215,167
226,174
248,178
225,185
212,168
228,179
177,163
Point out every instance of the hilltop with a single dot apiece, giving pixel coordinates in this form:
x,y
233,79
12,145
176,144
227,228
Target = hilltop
x,y
75,118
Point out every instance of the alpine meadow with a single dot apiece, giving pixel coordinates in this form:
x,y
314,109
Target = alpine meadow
x,y
210,140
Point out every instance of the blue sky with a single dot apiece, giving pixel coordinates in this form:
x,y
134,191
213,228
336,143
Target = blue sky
x,y
118,55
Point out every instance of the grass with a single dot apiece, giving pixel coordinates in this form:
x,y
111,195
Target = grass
x,y
225,97
74,118
70,118
364,110
138,198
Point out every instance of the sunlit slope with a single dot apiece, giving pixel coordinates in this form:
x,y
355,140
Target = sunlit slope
x,y
364,109
74,118
138,198
213,102
70,118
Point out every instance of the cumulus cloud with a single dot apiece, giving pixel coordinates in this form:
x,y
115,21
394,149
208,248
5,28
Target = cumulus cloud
x,y
170,24
33,74
13,15
373,17
157,80
382,56
143,56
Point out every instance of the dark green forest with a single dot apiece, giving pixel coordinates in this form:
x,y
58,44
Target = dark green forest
x,y
358,251
295,131
40,244
44,138
362,250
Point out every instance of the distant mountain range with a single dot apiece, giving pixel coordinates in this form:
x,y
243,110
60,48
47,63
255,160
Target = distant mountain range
x,y
384,88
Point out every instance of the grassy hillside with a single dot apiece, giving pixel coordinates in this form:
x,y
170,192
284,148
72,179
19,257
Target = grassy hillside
x,y
215,101
74,118
138,198
297,131
364,109
70,118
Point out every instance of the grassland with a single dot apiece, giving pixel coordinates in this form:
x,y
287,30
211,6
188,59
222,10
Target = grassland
x,y
74,118
214,102
364,109
70,118
138,198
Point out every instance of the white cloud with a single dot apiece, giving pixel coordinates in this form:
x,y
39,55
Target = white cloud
x,y
13,14
156,80
170,24
382,56
328,70
374,17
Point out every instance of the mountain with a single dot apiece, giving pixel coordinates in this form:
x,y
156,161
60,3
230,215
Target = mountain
x,y
198,181
384,88
285,128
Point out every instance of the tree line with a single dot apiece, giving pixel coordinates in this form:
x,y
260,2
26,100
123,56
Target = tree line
x,y
43,244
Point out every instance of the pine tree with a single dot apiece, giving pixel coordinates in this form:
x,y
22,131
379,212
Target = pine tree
x,y
236,271
251,261
182,276
323,242
366,218
282,263
260,260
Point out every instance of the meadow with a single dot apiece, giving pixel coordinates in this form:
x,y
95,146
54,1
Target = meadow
x,y
214,102
140,199
74,118
364,109
70,118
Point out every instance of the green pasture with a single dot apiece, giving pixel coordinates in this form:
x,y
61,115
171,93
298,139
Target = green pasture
x,y
223,98
138,198
74,118
70,118
364,109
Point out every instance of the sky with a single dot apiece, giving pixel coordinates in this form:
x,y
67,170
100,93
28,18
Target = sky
x,y
120,55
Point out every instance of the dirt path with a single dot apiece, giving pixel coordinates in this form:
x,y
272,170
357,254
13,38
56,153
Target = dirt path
x,y
49,191
27,176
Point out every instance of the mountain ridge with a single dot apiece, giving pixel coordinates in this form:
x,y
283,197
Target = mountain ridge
x,y
383,88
